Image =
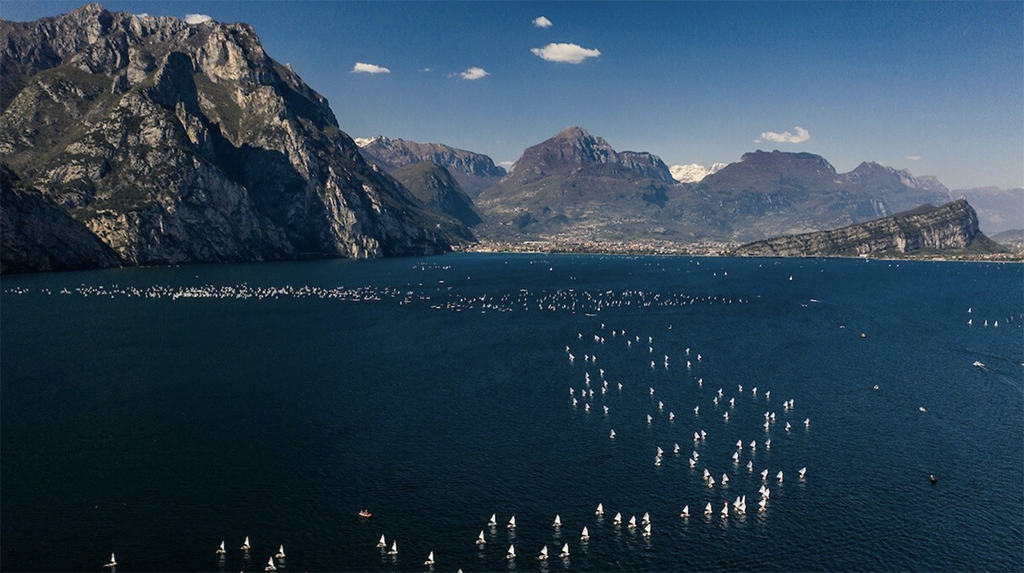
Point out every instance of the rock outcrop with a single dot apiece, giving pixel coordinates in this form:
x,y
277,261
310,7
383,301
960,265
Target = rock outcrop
x,y
951,228
37,235
474,171
174,142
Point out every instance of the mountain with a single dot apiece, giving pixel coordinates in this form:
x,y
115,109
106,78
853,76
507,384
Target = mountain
x,y
776,193
577,181
474,171
1013,238
949,229
575,185
175,142
437,188
693,172
37,235
998,209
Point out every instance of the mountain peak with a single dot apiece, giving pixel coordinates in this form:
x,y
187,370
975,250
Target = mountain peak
x,y
572,132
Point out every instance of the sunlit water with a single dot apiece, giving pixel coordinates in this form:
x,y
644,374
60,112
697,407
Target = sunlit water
x,y
155,412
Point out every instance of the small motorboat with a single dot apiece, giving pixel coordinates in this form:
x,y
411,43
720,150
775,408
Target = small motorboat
x,y
365,513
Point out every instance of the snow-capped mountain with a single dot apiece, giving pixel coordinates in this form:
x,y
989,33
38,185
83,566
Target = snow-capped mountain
x,y
693,173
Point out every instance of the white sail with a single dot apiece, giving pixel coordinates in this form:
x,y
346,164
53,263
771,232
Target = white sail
x,y
221,549
585,535
647,529
479,540
565,551
632,521
512,522
686,511
708,509
394,548
557,522
430,559
600,509
270,565
544,553
494,520
383,543
280,553
511,552
618,519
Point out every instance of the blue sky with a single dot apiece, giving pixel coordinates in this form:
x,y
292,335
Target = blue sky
x,y
934,87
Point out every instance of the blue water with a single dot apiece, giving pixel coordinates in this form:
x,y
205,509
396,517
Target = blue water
x,y
155,412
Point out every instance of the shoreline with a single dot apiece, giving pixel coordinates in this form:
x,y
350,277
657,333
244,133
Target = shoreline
x,y
717,250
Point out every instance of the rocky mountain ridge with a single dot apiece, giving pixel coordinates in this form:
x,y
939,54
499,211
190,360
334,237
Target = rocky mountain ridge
x,y
951,228
474,171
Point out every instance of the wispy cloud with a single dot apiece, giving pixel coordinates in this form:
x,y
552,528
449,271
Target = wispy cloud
x,y
542,22
801,136
506,164
566,53
196,18
426,69
474,74
913,157
364,68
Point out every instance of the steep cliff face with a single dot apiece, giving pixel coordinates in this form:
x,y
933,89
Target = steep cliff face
x,y
474,171
436,188
37,235
951,228
187,143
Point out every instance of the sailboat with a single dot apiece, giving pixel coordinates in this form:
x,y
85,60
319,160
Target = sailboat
x,y
394,548
543,554
646,518
647,530
708,510
280,552
779,476
611,435
686,512
270,565
112,562
600,509
565,551
585,536
511,552
632,522
221,550
382,544
557,523
430,559
511,523
245,544
803,472
618,519
494,520
479,540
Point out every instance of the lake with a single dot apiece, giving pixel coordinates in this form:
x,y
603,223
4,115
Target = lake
x,y
154,412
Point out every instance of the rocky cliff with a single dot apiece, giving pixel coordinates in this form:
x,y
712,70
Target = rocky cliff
x,y
474,171
37,235
951,228
175,142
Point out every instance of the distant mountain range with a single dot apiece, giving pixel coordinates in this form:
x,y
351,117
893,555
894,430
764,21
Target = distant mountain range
x,y
474,171
693,172
949,229
576,184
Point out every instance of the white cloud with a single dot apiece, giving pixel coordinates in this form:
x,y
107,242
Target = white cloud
x,y
426,69
757,141
913,157
568,53
196,18
801,136
363,68
474,74
542,22
506,164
